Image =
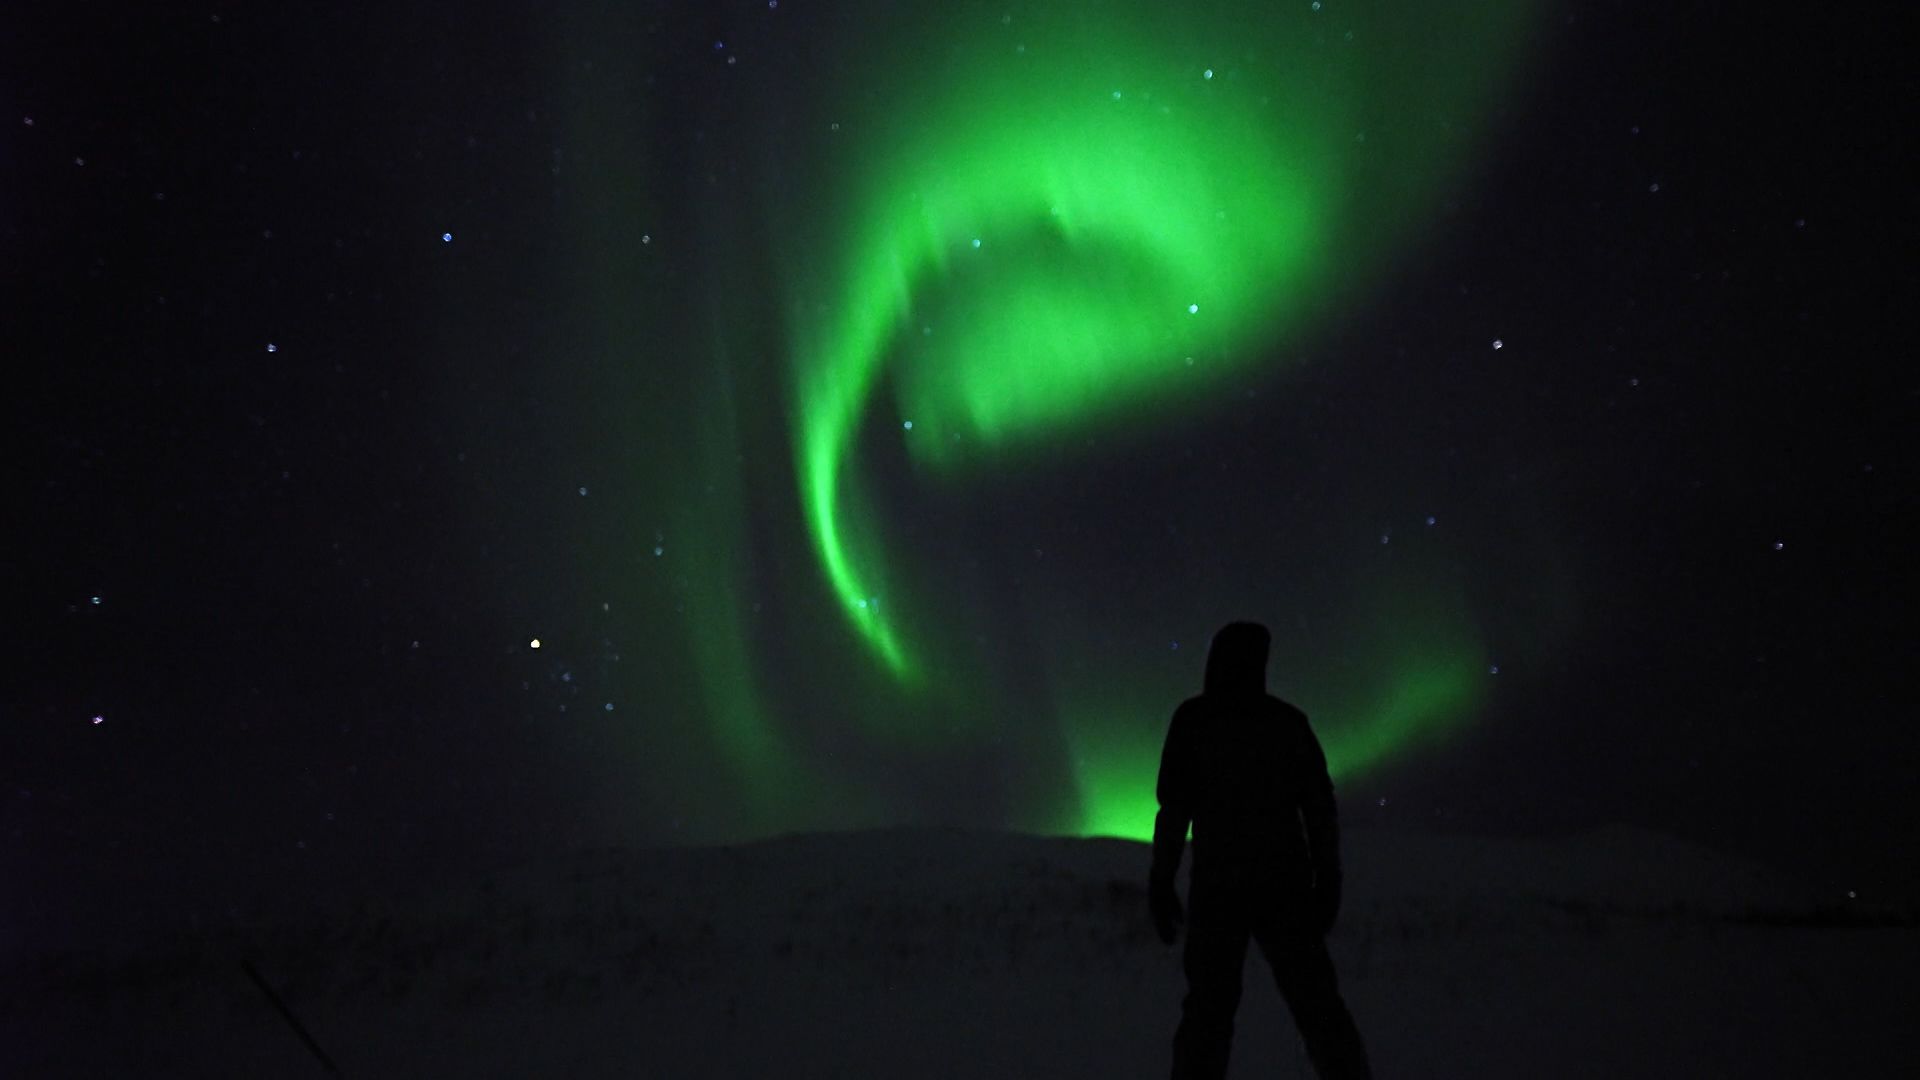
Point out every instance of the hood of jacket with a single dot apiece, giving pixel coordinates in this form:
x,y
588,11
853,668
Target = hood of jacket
x,y
1237,660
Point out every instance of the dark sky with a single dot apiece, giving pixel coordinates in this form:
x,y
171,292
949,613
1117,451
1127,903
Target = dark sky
x,y
297,482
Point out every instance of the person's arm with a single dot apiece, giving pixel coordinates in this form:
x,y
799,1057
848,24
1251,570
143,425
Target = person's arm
x,y
1322,821
1175,792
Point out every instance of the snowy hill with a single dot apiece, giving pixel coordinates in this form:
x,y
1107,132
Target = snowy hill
x,y
950,953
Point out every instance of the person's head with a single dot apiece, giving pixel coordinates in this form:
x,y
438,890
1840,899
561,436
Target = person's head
x,y
1237,661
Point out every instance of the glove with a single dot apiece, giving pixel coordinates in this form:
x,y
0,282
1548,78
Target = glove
x,y
1326,901
1165,903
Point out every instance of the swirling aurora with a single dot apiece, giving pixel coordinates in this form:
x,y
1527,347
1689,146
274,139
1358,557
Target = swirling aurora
x,y
1032,229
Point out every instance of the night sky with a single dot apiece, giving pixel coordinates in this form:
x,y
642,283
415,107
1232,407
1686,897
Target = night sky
x,y
872,410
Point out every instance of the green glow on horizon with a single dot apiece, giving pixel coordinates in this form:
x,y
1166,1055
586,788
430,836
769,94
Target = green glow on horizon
x,y
1084,217
1115,748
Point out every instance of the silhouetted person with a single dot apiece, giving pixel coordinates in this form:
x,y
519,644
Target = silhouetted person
x,y
1244,768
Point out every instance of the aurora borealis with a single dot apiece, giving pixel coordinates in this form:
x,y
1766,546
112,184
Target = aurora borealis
x,y
1064,239
1099,222
1020,230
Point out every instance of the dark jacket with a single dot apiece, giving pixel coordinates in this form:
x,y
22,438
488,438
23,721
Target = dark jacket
x,y
1244,768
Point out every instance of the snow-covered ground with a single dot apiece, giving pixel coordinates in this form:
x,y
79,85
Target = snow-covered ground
x,y
950,953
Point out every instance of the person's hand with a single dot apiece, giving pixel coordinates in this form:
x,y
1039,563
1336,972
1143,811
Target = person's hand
x,y
1165,903
1326,901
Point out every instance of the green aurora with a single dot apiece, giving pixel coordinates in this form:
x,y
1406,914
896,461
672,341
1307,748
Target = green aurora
x,y
1029,223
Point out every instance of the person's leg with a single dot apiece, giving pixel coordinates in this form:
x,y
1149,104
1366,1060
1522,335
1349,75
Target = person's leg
x,y
1304,970
1215,955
